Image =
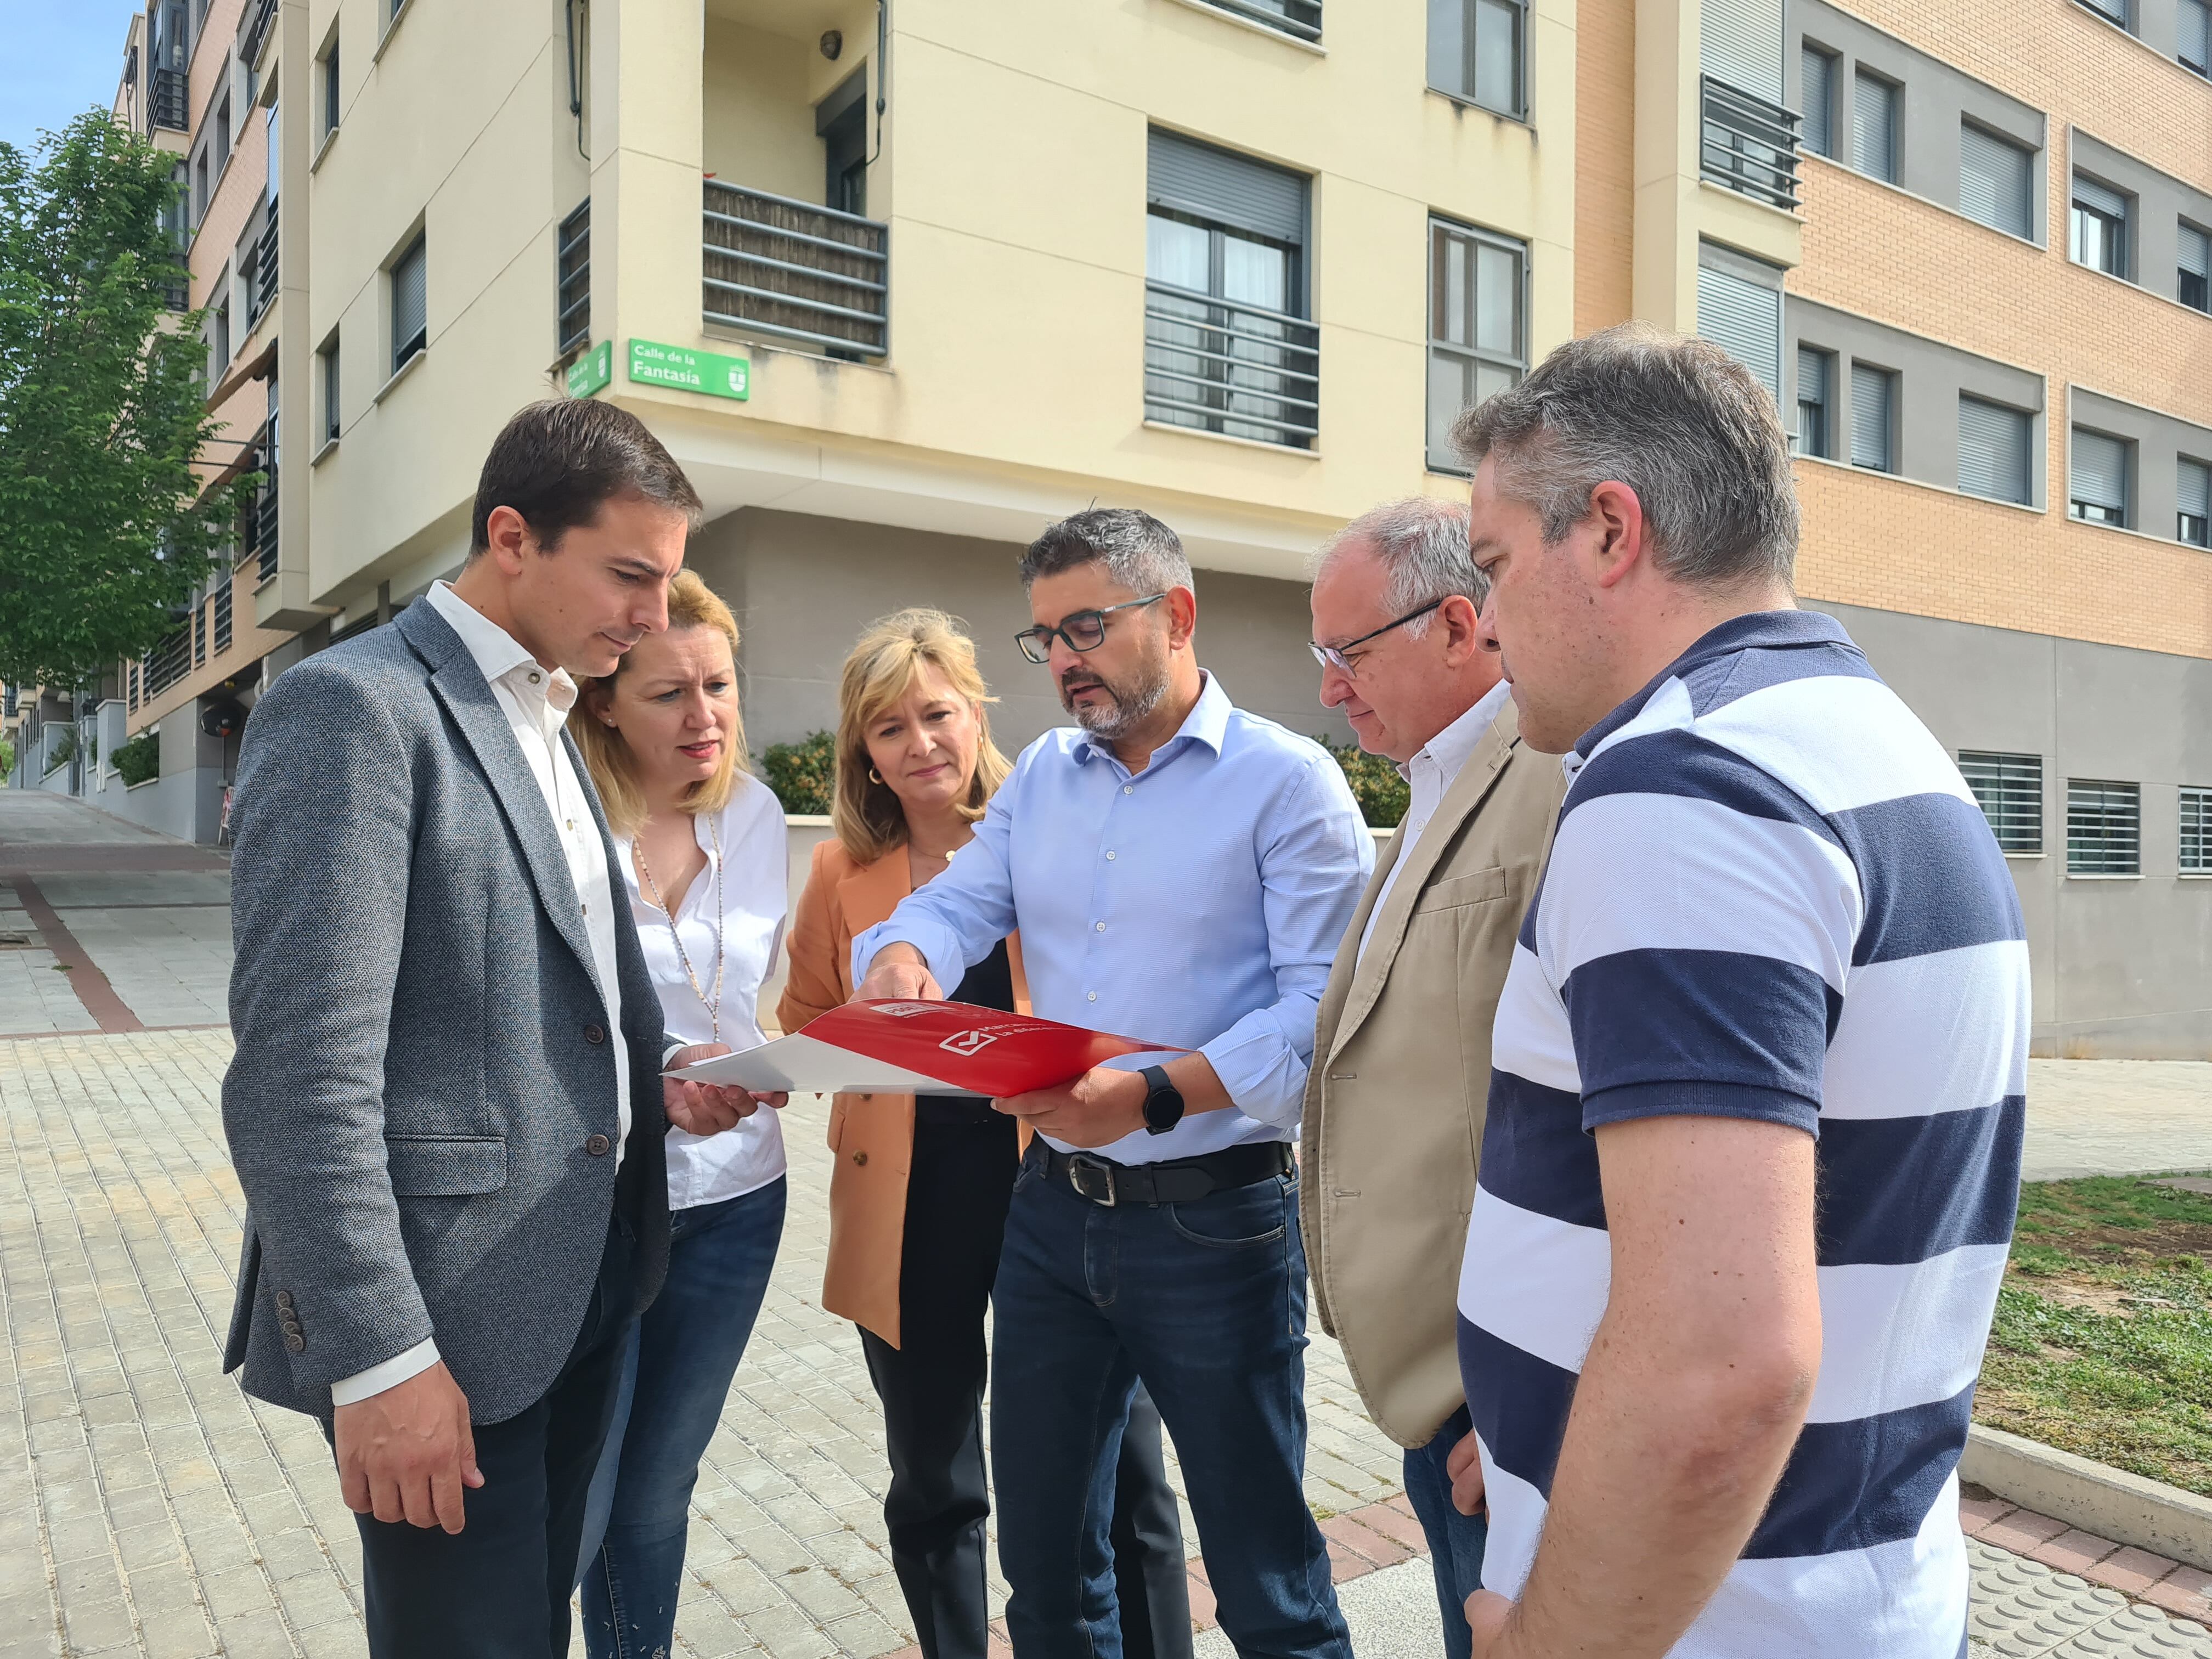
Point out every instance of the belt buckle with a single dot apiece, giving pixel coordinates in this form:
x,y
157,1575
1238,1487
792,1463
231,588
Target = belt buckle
x,y
1081,1168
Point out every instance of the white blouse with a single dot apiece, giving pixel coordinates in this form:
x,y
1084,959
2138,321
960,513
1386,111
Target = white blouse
x,y
710,1169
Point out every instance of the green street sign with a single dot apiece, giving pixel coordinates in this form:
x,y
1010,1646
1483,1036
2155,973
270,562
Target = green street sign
x,y
590,371
709,372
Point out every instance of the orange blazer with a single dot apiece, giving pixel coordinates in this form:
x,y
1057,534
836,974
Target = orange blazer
x,y
871,1136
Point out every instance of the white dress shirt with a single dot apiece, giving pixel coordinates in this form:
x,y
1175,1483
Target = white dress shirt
x,y
710,1169
536,700
1431,773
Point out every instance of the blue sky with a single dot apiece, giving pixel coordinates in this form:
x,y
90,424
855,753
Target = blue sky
x,y
62,57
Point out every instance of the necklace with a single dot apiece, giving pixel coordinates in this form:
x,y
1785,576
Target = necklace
x,y
712,1004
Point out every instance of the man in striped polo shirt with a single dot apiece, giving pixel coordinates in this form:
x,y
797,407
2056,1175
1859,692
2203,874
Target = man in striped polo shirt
x,y
1753,1140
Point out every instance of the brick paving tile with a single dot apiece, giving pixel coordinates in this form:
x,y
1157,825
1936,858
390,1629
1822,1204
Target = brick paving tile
x,y
2185,1592
1369,1545
2130,1569
2073,1551
1391,1523
2022,1531
1204,1615
1976,1513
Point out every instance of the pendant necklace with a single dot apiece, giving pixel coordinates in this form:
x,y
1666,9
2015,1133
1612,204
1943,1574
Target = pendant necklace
x,y
712,1004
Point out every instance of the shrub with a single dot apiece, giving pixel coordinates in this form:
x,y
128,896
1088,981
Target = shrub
x,y
140,758
7,759
1383,795
62,751
804,774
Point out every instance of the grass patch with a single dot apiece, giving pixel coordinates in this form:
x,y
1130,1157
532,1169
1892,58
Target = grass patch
x,y
2102,1340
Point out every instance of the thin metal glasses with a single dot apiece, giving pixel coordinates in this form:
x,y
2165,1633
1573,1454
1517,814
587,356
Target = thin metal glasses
x,y
1332,656
1084,630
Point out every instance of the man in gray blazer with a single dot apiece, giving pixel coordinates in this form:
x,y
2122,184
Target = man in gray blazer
x,y
445,1107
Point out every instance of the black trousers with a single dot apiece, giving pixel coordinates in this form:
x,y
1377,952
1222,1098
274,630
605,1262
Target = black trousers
x,y
499,1589
932,1389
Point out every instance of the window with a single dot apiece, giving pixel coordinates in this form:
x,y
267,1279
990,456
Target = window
x,y
1478,337
1475,51
2009,790
330,72
1740,310
222,133
2114,10
219,335
2099,493
840,122
1298,18
1874,126
2104,828
2193,35
392,15
1227,348
1816,402
328,358
2101,227
572,320
1819,92
1994,447
410,311
1995,181
2192,493
1873,396
199,189
2195,831
2194,256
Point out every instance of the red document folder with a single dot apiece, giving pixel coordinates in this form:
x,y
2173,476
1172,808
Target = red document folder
x,y
923,1048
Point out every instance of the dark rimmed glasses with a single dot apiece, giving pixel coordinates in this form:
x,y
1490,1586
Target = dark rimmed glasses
x,y
1084,630
1332,656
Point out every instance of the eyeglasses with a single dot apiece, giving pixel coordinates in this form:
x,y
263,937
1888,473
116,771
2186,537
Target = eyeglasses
x,y
1084,630
1332,656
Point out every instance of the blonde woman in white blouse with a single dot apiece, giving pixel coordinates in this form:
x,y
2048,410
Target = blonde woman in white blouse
x,y
700,843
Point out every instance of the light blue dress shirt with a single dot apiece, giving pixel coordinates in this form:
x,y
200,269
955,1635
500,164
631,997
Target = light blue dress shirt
x,y
1197,903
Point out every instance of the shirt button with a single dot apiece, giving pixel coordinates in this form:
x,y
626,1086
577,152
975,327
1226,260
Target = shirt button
x,y
1101,926
535,676
1093,995
597,1145
1110,855
859,1158
1128,788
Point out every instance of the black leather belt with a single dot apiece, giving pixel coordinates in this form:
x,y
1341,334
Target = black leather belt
x,y
1181,1180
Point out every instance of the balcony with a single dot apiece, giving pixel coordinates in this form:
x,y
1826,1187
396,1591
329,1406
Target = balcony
x,y
257,531
797,272
1299,19
169,99
167,662
1218,365
1748,145
265,267
261,17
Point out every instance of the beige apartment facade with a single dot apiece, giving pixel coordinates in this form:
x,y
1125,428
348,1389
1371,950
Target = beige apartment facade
x,y
902,281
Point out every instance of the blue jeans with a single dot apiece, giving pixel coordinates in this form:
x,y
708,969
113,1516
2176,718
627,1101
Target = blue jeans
x,y
1207,1303
674,1379
1455,1540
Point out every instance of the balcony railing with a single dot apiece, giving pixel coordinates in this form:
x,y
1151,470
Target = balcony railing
x,y
169,662
1748,145
222,615
257,532
1221,366
261,18
1300,19
265,267
573,326
797,272
169,99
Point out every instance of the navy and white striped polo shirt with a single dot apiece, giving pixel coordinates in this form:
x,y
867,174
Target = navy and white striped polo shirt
x,y
1771,895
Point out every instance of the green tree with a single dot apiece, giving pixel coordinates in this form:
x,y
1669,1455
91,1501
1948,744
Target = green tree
x,y
1383,795
104,528
804,774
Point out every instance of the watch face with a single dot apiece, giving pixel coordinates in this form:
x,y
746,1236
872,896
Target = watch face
x,y
1163,1107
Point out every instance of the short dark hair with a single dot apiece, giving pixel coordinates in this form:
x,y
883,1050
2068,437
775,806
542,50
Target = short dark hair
x,y
1138,552
557,463
1678,420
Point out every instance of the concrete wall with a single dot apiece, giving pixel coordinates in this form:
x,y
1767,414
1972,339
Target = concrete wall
x,y
2157,442
2123,966
2161,202
804,588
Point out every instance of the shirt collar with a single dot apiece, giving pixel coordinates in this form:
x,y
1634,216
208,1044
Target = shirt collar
x,y
1449,750
496,651
1758,630
1207,723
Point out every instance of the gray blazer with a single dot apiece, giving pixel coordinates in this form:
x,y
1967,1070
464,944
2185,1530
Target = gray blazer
x,y
422,1104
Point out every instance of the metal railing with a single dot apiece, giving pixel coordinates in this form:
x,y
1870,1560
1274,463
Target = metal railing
x,y
169,99
265,267
222,614
572,322
1748,144
263,18
257,532
1221,366
169,661
796,270
1298,18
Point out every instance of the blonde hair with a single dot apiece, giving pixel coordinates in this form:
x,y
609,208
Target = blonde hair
x,y
868,817
691,604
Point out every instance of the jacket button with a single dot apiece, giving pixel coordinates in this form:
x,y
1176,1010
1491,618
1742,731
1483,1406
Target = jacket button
x,y
594,1034
284,1300
296,1342
596,1145
859,1158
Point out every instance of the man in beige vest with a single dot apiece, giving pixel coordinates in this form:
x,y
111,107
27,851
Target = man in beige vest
x,y
1394,1104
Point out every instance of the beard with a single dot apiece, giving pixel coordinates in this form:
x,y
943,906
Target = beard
x,y
1129,700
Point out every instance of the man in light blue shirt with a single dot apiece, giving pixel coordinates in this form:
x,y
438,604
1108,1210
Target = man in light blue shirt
x,y
1181,871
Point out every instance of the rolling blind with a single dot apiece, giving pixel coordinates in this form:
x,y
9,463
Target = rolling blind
x,y
1870,418
1226,189
1744,318
1993,450
1874,126
1741,42
2193,42
409,302
2100,470
2091,194
2196,250
1995,181
2192,488
1819,92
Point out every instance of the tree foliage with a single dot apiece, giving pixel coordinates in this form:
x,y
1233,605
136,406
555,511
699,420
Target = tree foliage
x,y
804,774
104,529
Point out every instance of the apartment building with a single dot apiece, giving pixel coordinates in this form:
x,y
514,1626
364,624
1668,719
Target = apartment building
x,y
900,280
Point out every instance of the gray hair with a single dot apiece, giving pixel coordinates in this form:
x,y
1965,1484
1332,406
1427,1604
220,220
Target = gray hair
x,y
1421,543
1139,552
1678,420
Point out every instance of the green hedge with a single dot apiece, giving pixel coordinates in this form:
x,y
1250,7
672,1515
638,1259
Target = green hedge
x,y
1383,795
62,751
140,758
804,774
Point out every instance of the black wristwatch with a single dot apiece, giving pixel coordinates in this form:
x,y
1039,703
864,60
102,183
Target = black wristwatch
x,y
1164,1104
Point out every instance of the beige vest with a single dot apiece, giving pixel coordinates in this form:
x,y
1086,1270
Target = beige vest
x,y
1400,1080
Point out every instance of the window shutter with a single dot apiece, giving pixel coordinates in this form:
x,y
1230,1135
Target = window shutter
x,y
1739,42
2192,488
1812,375
1234,191
2100,470
409,300
2196,251
2091,194
1993,450
1744,318
1994,181
2193,44
1870,417
1874,127
1819,92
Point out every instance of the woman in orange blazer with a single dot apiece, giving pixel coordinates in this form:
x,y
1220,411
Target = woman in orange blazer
x,y
919,1190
